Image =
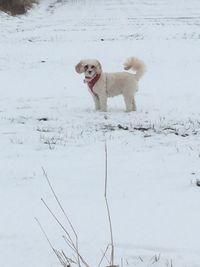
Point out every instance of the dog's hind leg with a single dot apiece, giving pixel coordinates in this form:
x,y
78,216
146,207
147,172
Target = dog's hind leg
x,y
134,108
128,102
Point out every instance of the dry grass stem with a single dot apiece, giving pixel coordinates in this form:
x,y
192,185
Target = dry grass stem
x,y
107,207
64,260
103,256
69,240
62,209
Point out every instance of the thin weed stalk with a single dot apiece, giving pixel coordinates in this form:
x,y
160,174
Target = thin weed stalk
x,y
107,207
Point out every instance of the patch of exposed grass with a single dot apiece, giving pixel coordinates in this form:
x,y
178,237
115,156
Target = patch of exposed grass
x,y
16,7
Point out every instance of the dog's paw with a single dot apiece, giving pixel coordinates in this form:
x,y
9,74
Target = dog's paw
x,y
129,110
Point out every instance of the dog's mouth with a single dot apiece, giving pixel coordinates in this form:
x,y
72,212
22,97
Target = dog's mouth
x,y
89,78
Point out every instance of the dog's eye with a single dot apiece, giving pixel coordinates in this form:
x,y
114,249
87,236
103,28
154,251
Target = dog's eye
x,y
86,67
92,66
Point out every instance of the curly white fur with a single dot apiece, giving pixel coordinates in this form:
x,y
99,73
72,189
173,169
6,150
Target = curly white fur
x,y
113,84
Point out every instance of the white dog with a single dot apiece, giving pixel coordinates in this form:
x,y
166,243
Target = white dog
x,y
103,85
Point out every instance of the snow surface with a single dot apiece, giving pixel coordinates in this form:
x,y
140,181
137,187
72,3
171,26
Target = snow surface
x,y
47,120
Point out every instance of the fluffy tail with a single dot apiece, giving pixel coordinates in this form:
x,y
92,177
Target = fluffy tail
x,y
136,65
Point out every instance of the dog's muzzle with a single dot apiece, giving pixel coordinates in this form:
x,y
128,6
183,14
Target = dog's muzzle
x,y
88,78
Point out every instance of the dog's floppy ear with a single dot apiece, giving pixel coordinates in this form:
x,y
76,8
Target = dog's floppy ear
x,y
98,67
79,67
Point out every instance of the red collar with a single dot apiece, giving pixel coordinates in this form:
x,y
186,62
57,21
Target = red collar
x,y
92,83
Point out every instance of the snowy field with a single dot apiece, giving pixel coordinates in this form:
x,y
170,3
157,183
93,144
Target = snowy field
x,y
47,120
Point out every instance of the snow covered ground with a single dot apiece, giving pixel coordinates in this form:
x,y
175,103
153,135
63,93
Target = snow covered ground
x,y
47,120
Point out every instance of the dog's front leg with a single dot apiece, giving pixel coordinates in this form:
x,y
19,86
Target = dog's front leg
x,y
103,102
96,102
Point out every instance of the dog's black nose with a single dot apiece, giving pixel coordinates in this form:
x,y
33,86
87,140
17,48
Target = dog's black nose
x,y
89,71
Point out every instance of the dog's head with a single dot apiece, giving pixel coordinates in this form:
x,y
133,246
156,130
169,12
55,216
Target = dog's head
x,y
90,67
